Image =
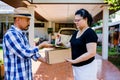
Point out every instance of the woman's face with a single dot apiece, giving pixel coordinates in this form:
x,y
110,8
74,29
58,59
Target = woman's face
x,y
80,22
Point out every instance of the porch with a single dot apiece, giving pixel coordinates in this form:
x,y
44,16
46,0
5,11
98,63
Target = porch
x,y
63,71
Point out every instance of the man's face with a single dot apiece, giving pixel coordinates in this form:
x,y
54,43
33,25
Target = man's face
x,y
24,23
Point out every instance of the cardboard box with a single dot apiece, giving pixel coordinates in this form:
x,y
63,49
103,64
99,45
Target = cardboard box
x,y
57,55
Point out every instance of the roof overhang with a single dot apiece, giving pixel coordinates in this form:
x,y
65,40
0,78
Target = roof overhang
x,y
20,3
61,11
64,1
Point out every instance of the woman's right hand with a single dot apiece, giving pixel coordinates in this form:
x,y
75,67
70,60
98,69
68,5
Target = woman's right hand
x,y
45,44
60,44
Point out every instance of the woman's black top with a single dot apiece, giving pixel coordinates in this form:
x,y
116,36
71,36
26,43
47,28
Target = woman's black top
x,y
78,45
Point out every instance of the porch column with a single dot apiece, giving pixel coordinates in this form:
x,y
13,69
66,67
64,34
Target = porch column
x,y
53,27
105,33
31,28
50,35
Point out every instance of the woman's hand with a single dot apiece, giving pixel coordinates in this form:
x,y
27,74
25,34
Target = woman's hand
x,y
45,44
71,61
60,44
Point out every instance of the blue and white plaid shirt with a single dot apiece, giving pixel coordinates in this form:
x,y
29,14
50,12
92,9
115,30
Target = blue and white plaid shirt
x,y
17,55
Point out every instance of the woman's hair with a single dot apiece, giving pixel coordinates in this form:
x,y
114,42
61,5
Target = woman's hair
x,y
85,14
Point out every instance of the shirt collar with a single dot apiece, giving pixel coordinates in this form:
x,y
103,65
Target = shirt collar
x,y
17,29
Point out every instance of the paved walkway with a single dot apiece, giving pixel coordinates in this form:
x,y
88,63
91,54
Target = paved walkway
x,y
106,70
60,71
63,71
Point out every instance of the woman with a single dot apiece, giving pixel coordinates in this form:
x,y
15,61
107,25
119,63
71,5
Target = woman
x,y
83,45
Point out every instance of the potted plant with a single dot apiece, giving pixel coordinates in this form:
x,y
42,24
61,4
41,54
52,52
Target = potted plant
x,y
1,69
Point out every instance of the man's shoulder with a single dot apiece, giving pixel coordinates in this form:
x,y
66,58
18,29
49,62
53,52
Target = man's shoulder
x,y
10,32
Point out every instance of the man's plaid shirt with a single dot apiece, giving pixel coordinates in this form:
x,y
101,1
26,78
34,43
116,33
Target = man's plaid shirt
x,y
17,55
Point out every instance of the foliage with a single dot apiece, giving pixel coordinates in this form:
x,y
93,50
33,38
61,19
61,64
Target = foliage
x,y
1,61
113,55
98,23
98,31
114,4
115,59
111,51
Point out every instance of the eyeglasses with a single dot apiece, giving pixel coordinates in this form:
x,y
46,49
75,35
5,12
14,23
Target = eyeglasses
x,y
77,20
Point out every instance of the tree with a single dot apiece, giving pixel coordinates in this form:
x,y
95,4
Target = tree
x,y
114,4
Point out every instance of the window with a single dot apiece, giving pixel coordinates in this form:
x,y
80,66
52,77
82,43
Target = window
x,y
39,24
67,32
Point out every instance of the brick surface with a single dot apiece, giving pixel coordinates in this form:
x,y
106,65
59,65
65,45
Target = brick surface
x,y
59,71
63,71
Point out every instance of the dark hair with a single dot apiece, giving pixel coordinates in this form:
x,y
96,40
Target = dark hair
x,y
85,14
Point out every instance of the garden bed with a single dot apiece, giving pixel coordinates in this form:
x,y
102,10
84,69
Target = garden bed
x,y
115,59
113,56
1,69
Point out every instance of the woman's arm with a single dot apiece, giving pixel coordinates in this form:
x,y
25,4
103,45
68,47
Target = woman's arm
x,y
91,51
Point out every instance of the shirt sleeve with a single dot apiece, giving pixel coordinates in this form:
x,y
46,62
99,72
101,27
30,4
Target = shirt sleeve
x,y
90,36
36,56
15,46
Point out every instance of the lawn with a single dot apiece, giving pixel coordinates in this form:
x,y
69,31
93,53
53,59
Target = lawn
x,y
1,53
111,51
113,55
1,61
115,60
0,49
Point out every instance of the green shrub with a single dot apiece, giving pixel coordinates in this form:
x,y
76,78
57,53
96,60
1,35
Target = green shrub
x,y
1,71
113,55
1,61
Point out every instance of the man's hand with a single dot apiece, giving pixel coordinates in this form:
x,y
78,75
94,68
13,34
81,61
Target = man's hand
x,y
41,59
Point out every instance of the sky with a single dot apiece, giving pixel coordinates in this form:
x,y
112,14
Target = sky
x,y
5,8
